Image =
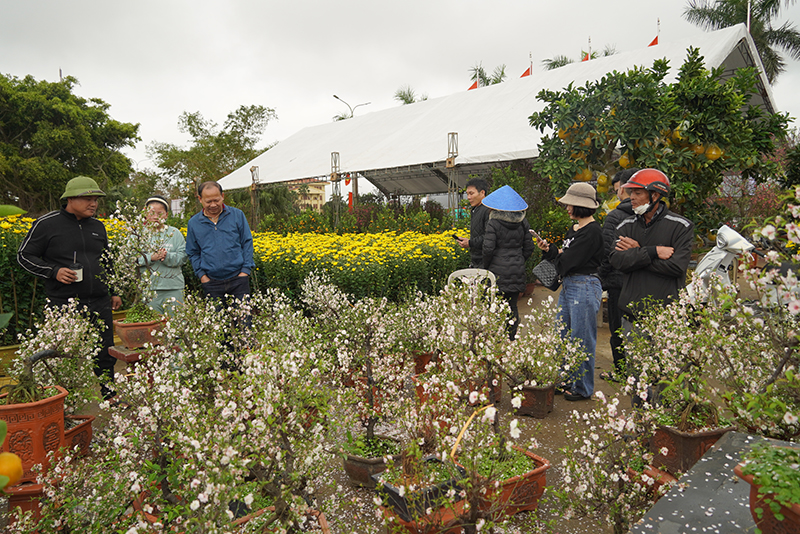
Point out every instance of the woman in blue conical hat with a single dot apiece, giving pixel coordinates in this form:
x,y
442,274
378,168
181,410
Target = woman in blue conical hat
x,y
507,244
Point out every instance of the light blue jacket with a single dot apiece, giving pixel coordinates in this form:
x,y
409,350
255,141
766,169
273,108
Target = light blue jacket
x,y
221,250
167,274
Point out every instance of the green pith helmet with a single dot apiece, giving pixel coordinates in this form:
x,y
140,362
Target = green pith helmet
x,y
82,186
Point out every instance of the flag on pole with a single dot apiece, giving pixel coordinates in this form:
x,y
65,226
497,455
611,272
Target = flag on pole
x,y
349,201
526,73
473,86
654,41
585,56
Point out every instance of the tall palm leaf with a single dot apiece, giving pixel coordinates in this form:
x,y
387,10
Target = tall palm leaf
x,y
718,14
556,62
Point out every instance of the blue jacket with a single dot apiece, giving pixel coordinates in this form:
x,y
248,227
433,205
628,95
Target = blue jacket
x,y
221,250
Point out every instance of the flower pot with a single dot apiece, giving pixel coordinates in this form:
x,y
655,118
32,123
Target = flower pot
x,y
660,478
135,335
537,402
440,521
316,515
411,505
79,435
361,469
684,449
522,492
768,523
479,384
25,497
34,430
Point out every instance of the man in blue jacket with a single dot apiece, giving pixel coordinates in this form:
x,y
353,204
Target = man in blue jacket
x,y
219,245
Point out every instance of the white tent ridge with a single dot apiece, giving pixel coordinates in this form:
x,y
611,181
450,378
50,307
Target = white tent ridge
x,y
402,150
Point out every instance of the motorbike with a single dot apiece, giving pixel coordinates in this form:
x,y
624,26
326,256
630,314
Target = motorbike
x,y
719,260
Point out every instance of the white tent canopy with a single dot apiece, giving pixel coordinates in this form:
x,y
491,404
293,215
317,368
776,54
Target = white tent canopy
x,y
403,149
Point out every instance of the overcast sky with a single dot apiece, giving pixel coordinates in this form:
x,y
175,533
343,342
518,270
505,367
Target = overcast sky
x,y
152,60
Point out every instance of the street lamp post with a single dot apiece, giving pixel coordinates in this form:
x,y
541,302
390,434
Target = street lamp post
x,y
352,109
352,112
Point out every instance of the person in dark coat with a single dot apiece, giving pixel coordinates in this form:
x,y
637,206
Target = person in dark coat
x,y
507,244
612,278
577,263
476,191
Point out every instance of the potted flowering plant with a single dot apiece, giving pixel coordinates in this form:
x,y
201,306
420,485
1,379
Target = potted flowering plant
x,y
232,424
772,472
480,471
58,353
133,239
601,447
540,359
363,345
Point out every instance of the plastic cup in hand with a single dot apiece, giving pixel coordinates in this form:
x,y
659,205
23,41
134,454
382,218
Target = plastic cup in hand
x,y
78,268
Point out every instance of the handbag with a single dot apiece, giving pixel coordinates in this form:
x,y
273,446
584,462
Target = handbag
x,y
547,274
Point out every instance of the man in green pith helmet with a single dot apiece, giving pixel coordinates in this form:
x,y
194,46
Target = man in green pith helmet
x,y
66,248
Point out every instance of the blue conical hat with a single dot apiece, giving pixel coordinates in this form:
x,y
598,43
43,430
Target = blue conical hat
x,y
505,199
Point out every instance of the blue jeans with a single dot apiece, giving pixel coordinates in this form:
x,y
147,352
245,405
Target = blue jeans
x,y
579,302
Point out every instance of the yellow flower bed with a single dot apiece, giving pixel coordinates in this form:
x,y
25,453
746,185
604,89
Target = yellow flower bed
x,y
378,264
362,264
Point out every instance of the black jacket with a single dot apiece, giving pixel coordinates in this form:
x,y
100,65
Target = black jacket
x,y
506,245
612,278
645,274
582,251
477,229
52,242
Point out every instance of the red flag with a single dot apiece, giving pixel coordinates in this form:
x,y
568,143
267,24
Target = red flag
x,y
585,57
473,86
654,41
347,180
350,201
526,73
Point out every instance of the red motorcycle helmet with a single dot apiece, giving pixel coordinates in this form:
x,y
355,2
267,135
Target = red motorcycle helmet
x,y
651,180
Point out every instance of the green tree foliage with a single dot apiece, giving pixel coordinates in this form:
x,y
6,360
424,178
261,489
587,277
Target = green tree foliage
x,y
214,152
483,78
48,135
768,39
561,60
406,95
693,130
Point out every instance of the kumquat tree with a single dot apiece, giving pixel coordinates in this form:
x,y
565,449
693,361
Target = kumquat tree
x,y
695,130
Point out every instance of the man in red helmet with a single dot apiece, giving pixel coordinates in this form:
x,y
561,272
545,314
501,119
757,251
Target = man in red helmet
x,y
654,245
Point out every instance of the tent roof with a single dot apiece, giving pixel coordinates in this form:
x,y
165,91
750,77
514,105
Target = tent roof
x,y
403,149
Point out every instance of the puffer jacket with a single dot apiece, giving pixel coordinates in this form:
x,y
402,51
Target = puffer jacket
x,y
611,277
507,243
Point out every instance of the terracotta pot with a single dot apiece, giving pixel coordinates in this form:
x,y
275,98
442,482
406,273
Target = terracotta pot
x,y
768,523
478,384
79,435
322,521
684,449
537,402
421,361
34,429
439,521
361,469
135,335
25,497
660,478
520,493
411,506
